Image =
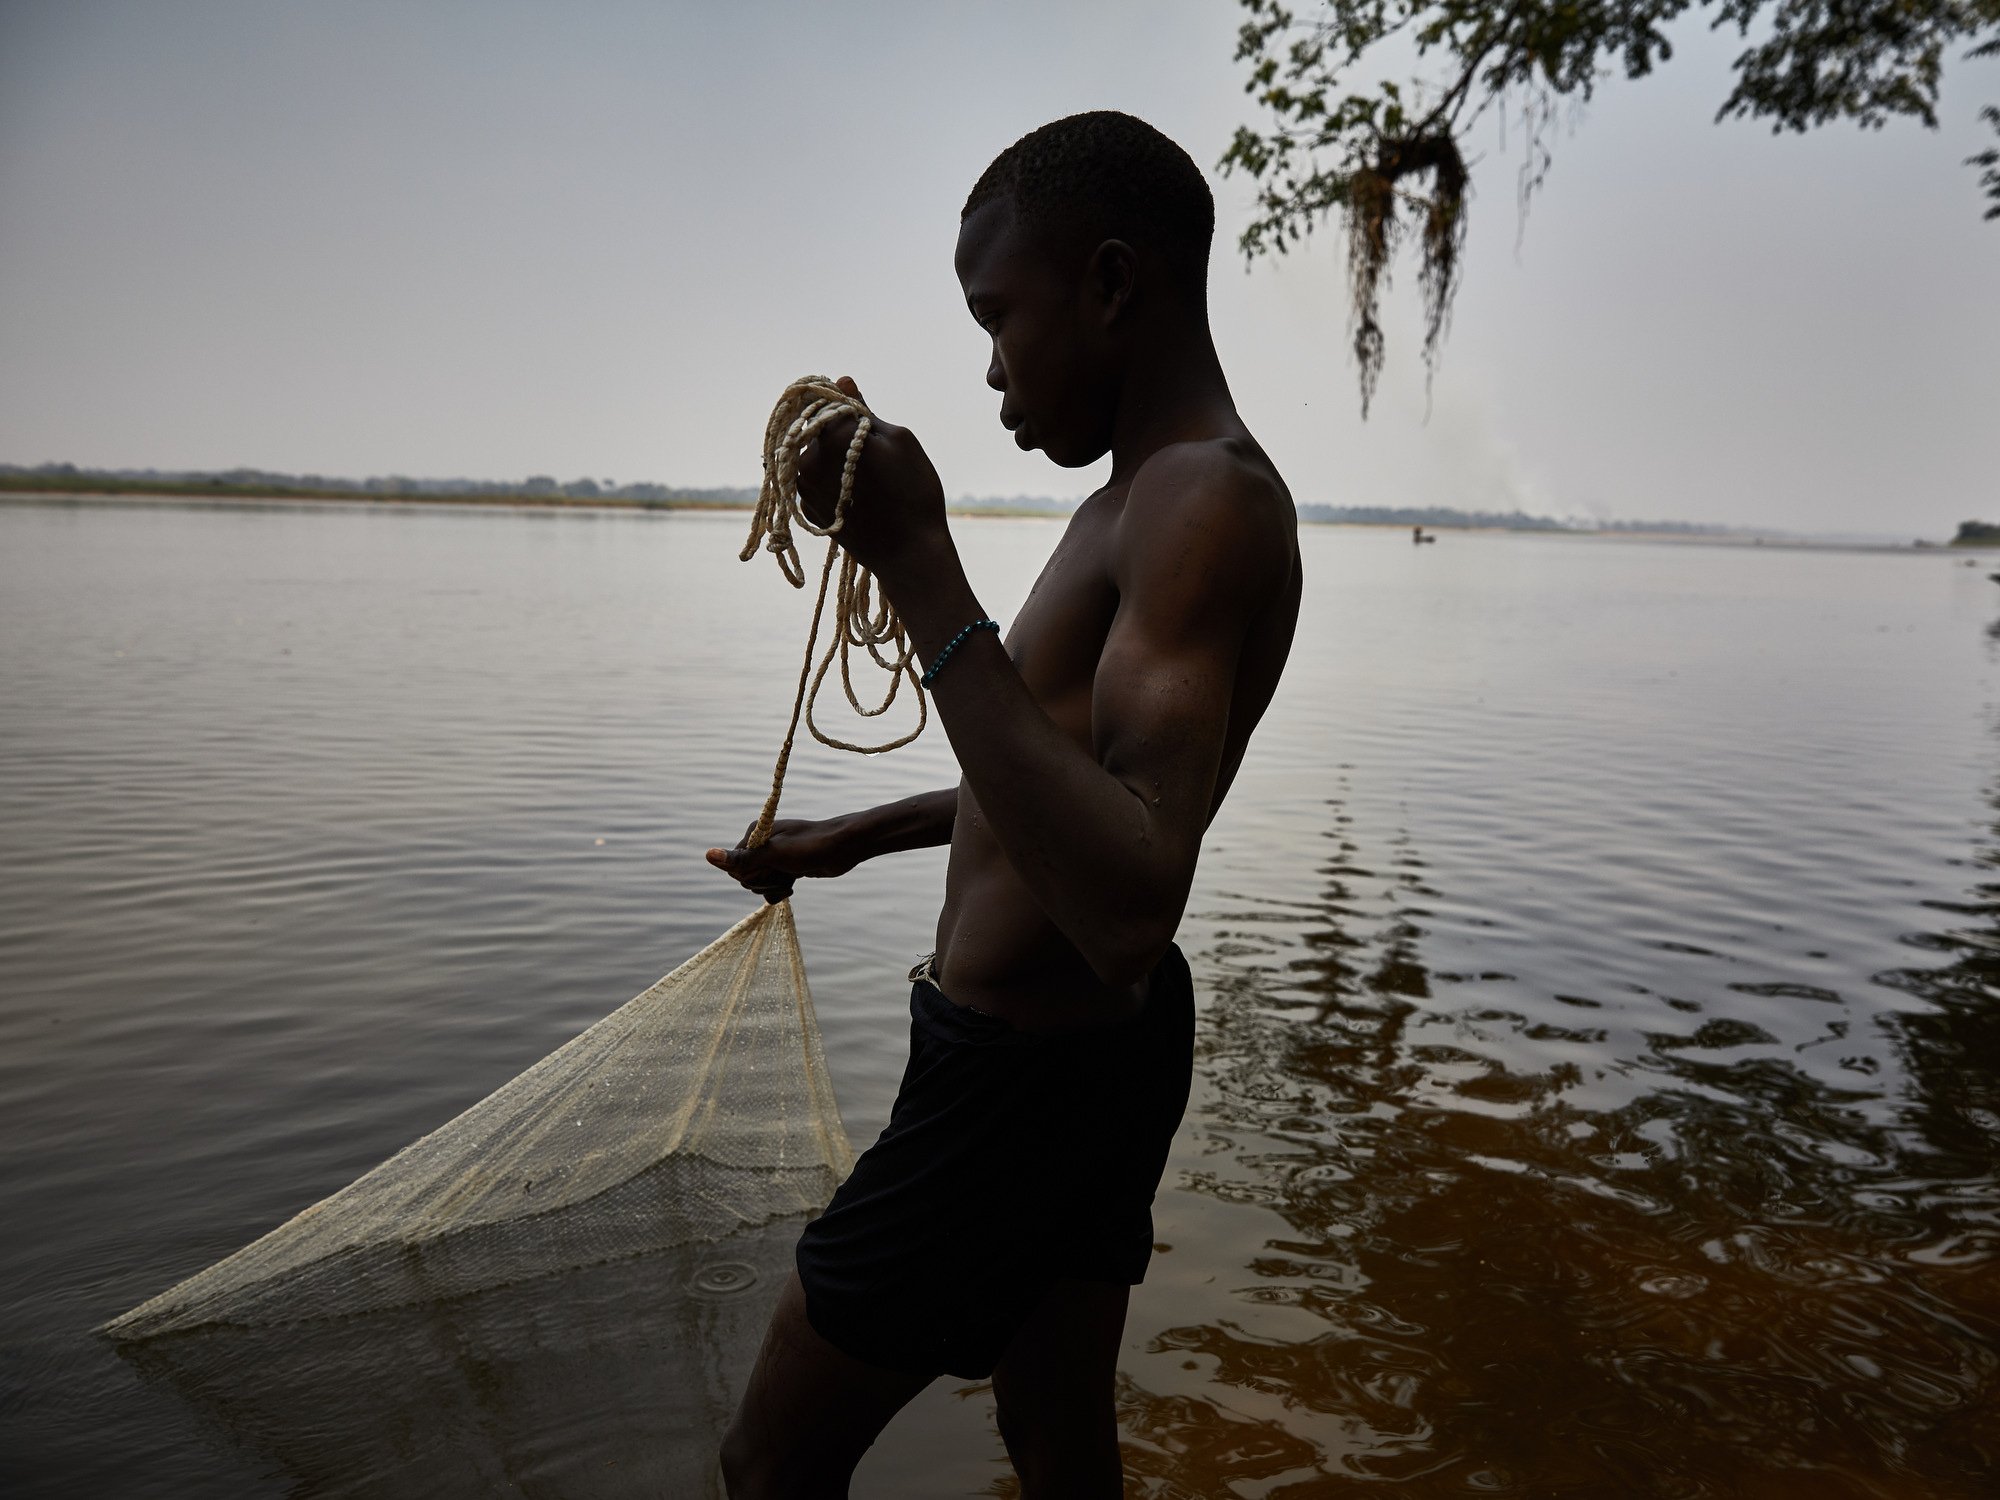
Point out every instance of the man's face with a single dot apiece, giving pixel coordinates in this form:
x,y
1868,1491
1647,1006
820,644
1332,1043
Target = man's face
x,y
1050,349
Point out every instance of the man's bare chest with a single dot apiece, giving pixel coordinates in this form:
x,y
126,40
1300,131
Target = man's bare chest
x,y
1059,633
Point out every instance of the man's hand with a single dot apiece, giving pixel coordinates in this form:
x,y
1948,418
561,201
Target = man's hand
x,y
797,847
896,517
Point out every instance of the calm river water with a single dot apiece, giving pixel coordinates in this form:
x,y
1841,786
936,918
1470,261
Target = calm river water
x,y
1598,1087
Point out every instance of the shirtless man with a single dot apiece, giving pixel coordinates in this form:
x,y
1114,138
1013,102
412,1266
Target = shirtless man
x,y
997,1225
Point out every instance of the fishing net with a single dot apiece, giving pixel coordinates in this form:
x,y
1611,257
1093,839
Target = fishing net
x,y
698,1109
695,1111
609,1382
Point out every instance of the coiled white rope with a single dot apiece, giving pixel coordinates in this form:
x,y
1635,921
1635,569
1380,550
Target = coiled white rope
x,y
862,613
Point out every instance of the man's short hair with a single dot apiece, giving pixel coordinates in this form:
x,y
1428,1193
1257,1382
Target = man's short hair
x,y
1107,175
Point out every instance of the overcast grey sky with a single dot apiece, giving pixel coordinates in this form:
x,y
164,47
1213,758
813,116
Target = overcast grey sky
x,y
596,238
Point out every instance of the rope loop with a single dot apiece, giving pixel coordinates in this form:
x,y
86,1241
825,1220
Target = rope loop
x,y
863,617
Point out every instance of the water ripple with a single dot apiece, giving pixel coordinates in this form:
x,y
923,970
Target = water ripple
x,y
1599,1061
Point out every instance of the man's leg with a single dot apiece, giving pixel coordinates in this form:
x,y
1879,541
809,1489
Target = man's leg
x,y
809,1414
1053,1390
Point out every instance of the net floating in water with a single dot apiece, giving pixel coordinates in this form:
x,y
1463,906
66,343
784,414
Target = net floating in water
x,y
698,1109
610,1382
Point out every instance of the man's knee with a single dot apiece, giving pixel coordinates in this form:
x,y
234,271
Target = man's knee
x,y
1053,1394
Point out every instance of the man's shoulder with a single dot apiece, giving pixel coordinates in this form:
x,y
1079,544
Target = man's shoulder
x,y
1220,497
1218,470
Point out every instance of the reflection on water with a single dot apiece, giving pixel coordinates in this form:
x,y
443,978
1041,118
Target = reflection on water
x,y
1771,1263
1599,1076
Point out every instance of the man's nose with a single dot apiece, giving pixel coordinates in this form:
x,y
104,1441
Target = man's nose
x,y
996,377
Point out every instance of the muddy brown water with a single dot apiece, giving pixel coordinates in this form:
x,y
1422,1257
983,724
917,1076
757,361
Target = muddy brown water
x,y
1598,1078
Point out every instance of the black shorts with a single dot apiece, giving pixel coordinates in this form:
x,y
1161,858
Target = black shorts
x,y
1010,1161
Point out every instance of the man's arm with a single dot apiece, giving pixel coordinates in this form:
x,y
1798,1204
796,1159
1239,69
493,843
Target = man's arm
x,y
920,822
1107,842
833,846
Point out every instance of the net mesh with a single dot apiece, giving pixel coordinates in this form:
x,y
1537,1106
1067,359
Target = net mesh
x,y
609,1382
699,1109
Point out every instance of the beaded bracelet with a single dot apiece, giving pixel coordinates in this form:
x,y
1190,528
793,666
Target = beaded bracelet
x,y
945,655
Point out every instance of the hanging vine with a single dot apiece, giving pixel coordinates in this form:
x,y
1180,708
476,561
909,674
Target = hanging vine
x,y
1391,157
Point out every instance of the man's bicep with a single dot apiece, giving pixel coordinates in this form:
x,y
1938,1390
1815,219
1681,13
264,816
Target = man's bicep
x,y
1204,547
1167,677
1160,714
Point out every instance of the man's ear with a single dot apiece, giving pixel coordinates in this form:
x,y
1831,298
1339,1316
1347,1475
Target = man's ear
x,y
1113,278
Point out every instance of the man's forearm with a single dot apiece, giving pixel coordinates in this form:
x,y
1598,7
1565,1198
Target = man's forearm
x,y
920,822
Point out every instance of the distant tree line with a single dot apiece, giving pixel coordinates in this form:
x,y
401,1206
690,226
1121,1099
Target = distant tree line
x,y
1498,520
545,489
70,477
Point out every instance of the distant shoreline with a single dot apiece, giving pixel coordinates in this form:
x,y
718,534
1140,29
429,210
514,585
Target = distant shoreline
x,y
205,498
